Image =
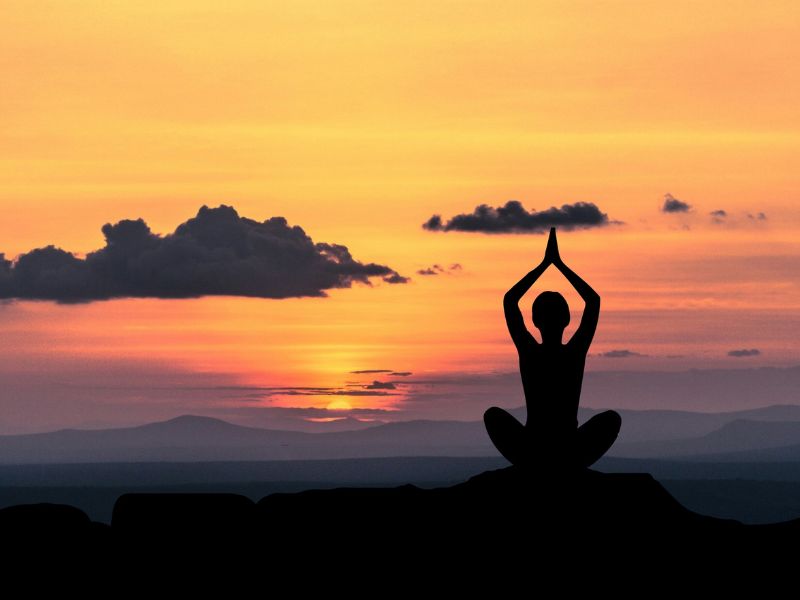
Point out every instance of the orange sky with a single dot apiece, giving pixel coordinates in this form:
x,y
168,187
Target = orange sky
x,y
358,121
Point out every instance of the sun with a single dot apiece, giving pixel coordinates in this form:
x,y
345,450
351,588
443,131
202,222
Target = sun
x,y
339,405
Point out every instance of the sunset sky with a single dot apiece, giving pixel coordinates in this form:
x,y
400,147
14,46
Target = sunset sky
x,y
358,121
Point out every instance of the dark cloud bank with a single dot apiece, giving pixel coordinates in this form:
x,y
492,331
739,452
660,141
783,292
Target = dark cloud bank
x,y
216,252
514,218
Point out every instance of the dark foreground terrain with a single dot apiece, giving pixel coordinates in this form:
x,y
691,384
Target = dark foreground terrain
x,y
507,521
750,492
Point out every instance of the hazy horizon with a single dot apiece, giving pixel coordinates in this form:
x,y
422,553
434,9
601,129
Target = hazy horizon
x,y
451,396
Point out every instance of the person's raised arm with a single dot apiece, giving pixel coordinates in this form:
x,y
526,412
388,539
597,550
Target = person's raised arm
x,y
591,313
516,324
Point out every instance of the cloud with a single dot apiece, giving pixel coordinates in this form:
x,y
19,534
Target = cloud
x,y
438,269
514,218
718,216
217,252
619,354
389,371
380,385
396,278
324,412
308,391
744,352
673,205
723,217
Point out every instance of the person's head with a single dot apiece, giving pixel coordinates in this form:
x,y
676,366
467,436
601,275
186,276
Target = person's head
x,y
550,312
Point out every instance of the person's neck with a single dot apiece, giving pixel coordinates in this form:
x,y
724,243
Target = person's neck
x,y
552,338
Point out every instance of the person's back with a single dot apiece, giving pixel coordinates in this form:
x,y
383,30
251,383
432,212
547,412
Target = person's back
x,y
551,379
552,376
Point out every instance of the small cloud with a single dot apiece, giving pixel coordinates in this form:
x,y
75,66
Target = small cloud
x,y
433,224
371,371
673,205
718,216
744,352
380,385
400,373
434,270
396,278
619,354
514,218
438,269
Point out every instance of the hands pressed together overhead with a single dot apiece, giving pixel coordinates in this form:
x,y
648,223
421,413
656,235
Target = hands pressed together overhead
x,y
551,255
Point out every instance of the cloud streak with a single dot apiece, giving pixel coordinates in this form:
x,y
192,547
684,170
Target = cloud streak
x,y
439,269
217,252
380,385
367,390
619,354
514,218
744,352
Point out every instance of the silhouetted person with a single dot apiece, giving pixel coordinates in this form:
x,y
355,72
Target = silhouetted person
x,y
552,374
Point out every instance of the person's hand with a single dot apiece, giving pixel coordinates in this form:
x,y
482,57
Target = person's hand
x,y
551,254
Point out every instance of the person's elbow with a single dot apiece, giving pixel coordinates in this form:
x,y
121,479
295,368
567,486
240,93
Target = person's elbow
x,y
509,300
593,300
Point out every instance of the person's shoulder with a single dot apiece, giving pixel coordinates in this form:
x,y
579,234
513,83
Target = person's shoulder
x,y
577,347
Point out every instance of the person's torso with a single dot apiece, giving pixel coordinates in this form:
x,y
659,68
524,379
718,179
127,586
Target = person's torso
x,y
552,377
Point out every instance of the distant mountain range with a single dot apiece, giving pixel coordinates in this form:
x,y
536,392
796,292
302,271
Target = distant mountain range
x,y
739,436
194,438
772,431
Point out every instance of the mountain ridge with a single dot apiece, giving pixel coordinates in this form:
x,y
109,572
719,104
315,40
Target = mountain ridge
x,y
193,438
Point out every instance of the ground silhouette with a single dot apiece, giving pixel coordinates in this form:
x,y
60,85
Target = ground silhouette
x,y
509,522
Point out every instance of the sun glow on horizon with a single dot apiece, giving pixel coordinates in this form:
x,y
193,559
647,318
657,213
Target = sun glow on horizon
x,y
339,404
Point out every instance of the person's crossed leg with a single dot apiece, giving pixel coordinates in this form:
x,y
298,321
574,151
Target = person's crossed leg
x,y
523,448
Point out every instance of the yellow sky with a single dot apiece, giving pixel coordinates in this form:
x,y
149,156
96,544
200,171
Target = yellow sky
x,y
359,120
